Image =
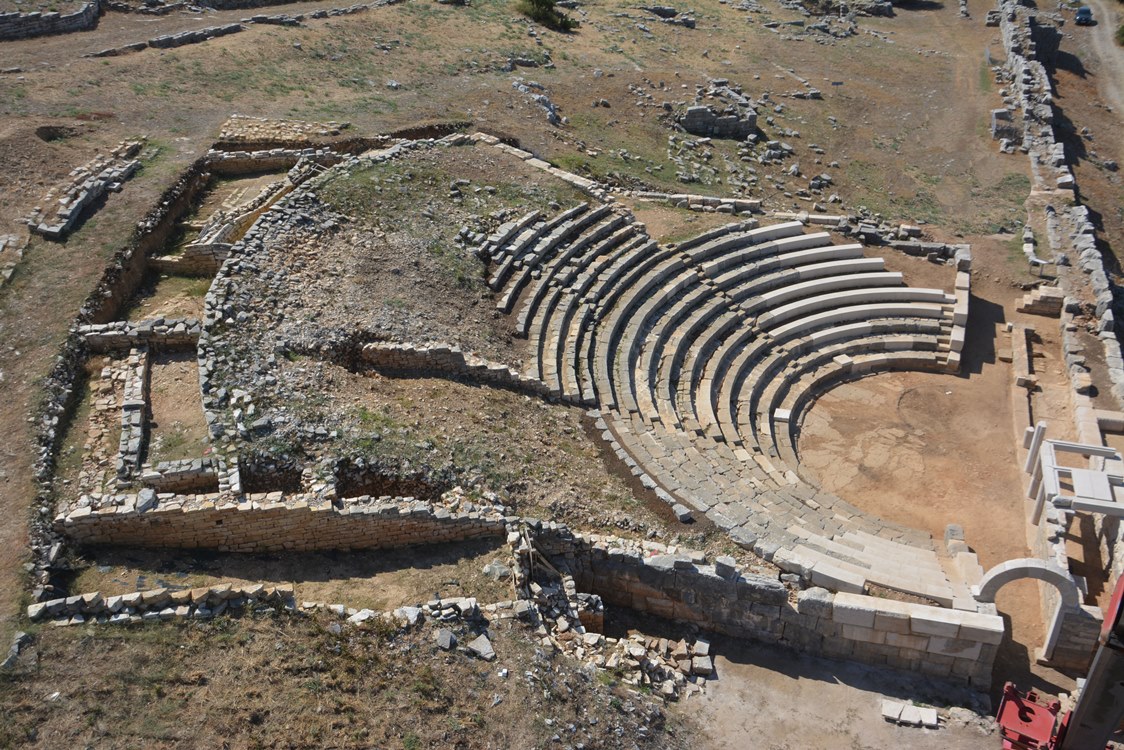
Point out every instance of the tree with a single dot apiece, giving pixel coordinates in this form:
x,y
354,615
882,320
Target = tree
x,y
545,13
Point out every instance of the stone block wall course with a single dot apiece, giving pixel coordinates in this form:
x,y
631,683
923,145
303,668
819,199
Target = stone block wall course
x,y
264,526
950,644
160,333
447,359
27,25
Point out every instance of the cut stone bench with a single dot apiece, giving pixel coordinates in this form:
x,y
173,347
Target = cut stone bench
x,y
565,324
557,233
845,298
553,278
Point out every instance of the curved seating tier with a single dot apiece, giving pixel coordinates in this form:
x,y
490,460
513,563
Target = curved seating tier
x,y
702,358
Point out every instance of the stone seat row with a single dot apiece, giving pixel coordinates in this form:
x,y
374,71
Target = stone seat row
x,y
786,523
701,357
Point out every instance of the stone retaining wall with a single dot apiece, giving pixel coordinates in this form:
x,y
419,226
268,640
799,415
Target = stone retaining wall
x,y
447,359
185,476
26,25
194,36
88,183
134,414
159,604
272,160
949,644
159,333
195,260
263,525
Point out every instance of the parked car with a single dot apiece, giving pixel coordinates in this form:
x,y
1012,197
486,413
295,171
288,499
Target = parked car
x,y
1084,16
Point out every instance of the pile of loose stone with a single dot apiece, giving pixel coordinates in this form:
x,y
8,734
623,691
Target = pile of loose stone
x,y
572,622
536,92
670,15
670,668
88,183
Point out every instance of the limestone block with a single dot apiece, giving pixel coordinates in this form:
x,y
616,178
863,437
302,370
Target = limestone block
x,y
892,621
834,577
891,710
815,602
864,635
955,647
934,621
851,609
910,642
910,716
984,628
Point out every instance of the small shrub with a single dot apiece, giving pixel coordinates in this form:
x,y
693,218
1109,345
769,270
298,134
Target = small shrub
x,y
1120,35
545,13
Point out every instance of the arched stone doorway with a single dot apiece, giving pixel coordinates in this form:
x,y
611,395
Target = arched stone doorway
x,y
1069,596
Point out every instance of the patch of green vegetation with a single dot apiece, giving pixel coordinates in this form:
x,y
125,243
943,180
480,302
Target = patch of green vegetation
x,y
1014,187
986,80
171,443
872,192
1120,35
545,13
376,420
464,270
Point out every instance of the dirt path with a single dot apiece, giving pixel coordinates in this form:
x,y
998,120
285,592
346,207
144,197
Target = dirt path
x,y
1110,56
179,428
770,699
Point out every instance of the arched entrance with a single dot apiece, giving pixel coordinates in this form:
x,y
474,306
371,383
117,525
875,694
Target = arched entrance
x,y
1041,570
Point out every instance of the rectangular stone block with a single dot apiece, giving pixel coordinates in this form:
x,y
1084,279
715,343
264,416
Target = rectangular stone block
x,y
832,577
852,609
987,629
912,642
863,635
935,621
954,647
891,622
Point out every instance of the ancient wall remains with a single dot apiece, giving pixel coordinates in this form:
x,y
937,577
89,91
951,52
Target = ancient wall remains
x,y
26,25
1080,627
945,643
267,524
447,360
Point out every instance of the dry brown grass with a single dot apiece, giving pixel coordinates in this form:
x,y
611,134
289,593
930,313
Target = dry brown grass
x,y
378,579
282,681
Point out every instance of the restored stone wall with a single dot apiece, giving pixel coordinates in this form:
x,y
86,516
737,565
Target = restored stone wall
x,y
195,260
187,476
264,526
273,160
945,643
1080,628
26,25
